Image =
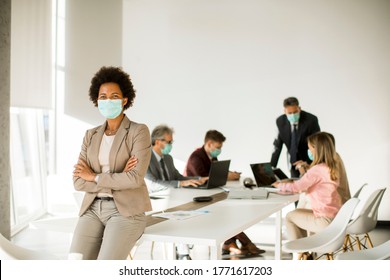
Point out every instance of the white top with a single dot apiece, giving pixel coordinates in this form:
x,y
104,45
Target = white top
x,y
104,156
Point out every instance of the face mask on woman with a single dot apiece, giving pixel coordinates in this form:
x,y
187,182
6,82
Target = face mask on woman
x,y
310,155
110,109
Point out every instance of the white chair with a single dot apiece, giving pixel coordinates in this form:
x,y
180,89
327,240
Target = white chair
x,y
357,193
329,239
10,251
381,252
364,223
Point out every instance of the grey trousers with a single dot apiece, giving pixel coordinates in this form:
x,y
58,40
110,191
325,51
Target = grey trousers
x,y
103,233
301,221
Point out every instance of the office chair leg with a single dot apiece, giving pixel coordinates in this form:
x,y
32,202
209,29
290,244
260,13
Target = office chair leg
x,y
358,243
350,243
305,256
131,253
347,243
151,250
369,240
329,257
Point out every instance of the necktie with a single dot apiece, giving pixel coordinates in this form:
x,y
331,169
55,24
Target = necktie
x,y
294,145
165,174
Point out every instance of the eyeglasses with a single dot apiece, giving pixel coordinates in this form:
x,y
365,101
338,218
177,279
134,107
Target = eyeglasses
x,y
168,142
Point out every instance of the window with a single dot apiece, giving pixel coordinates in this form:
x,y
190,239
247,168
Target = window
x,y
29,153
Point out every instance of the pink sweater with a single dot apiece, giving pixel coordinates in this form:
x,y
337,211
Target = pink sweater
x,y
320,188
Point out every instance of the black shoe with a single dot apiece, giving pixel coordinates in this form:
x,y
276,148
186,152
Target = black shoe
x,y
184,257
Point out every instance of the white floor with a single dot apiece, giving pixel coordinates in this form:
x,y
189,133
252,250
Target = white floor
x,y
261,234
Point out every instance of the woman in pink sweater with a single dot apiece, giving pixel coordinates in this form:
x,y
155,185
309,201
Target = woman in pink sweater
x,y
320,184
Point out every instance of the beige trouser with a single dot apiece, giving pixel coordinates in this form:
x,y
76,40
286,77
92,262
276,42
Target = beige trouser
x,y
103,233
300,221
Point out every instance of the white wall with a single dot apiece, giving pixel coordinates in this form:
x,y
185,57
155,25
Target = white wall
x,y
228,65
93,38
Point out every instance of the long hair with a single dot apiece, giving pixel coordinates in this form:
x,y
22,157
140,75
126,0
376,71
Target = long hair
x,y
325,152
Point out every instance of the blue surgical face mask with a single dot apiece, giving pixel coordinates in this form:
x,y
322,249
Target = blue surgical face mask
x,y
167,149
310,155
293,118
215,153
110,109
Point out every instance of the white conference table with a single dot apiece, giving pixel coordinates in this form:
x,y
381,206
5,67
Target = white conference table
x,y
224,219
166,199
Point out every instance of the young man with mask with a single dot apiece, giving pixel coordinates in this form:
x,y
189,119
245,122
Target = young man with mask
x,y
199,164
294,126
162,173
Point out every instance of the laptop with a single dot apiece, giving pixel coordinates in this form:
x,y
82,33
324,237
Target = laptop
x,y
280,174
264,175
218,175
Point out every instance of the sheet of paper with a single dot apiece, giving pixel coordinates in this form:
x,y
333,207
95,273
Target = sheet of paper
x,y
180,215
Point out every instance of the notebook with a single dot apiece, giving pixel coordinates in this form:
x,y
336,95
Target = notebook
x,y
218,175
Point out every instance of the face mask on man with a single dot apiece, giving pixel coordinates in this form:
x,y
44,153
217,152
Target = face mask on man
x,y
215,153
293,118
110,109
167,149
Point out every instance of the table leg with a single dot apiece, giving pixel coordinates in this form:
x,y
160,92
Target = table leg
x,y
215,252
278,235
169,251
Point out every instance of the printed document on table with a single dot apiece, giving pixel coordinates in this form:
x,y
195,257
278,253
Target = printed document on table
x,y
180,215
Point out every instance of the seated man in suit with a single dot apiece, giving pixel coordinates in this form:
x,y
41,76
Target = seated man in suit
x,y
162,173
199,164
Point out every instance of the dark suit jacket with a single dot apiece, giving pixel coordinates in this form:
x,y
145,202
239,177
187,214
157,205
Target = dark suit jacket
x,y
128,188
307,125
154,172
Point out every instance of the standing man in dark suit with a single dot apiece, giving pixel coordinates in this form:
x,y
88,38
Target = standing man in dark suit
x,y
294,126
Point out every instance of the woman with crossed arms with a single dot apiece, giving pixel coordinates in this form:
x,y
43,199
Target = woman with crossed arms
x,y
110,170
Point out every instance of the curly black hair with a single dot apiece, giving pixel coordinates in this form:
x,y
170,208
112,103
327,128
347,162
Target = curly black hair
x,y
112,75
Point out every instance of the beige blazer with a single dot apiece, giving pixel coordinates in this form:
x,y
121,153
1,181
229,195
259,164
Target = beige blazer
x,y
128,188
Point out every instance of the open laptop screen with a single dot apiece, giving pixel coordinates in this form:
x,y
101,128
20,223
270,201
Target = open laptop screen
x,y
218,175
263,173
280,174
